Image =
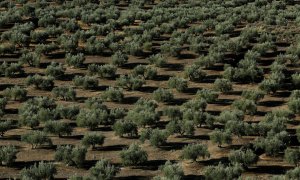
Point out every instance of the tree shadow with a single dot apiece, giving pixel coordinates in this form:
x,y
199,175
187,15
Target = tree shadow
x,y
192,177
119,147
275,169
130,100
178,101
148,89
162,77
173,146
151,165
270,103
171,67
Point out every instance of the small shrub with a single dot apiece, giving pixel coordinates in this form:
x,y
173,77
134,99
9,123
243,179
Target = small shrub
x,y
163,95
36,138
193,151
92,139
64,92
15,93
133,156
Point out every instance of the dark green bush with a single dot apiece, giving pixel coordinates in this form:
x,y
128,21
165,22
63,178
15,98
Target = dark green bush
x,y
8,155
39,171
15,93
193,151
92,139
40,82
133,156
163,95
65,93
36,138
73,156
58,128
87,82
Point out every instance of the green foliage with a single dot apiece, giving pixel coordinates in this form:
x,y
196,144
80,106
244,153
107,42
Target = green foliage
x,y
15,93
245,157
182,127
245,105
163,95
148,72
170,171
269,85
292,156
193,151
294,105
5,126
119,58
92,118
156,137
87,82
65,93
220,137
103,169
103,71
223,85
253,95
194,73
39,171
40,82
223,172
68,112
130,82
8,155
11,70
179,84
113,94
92,139
36,138
75,60
207,94
58,128
73,156
296,80
293,173
273,144
55,70
128,128
133,156
31,58
158,60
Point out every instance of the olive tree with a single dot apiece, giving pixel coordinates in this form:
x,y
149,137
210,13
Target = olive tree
x,y
70,155
134,155
92,118
40,82
223,85
55,70
15,93
170,171
245,157
75,60
103,71
130,82
113,94
292,156
222,171
65,93
193,151
208,94
128,128
87,82
103,169
31,58
119,58
245,105
36,138
58,128
8,155
38,171
157,59
156,137
5,126
194,73
92,139
220,137
163,95
179,84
